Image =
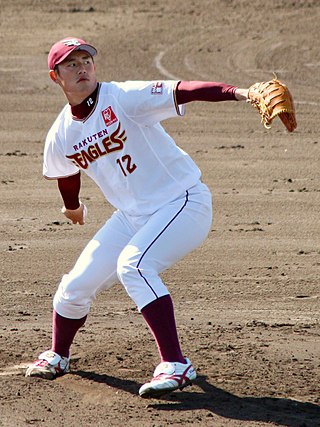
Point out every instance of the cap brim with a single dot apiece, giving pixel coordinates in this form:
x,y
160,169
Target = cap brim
x,y
86,47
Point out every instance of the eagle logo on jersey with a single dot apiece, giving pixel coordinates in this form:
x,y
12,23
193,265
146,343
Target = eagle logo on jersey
x,y
108,116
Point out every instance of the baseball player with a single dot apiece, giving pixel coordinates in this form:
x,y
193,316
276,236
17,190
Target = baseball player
x,y
111,131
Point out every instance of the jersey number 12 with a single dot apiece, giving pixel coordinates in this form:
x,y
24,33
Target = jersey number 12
x,y
126,164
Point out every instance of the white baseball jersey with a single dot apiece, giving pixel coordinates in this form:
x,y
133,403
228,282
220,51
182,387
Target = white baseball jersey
x,y
123,148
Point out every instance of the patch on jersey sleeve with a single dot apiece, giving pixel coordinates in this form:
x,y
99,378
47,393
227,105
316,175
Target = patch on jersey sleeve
x,y
157,88
108,116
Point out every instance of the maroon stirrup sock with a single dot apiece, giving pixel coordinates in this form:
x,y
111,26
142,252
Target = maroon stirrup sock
x,y
63,333
159,316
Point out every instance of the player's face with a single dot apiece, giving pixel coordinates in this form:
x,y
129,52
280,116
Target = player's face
x,y
77,76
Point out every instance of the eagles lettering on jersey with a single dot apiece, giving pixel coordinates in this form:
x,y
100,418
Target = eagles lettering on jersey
x,y
109,144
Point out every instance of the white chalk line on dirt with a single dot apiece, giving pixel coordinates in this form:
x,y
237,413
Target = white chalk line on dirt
x,y
19,369
161,68
169,75
21,69
158,58
14,370
165,72
307,102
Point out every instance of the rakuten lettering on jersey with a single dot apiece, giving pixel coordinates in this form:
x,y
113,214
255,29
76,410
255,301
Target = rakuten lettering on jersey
x,y
110,144
89,139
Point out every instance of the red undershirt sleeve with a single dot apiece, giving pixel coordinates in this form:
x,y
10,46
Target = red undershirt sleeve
x,y
188,91
69,188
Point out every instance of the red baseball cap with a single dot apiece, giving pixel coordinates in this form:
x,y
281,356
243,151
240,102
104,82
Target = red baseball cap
x,y
64,47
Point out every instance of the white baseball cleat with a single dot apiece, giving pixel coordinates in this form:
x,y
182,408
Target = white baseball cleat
x,y
167,377
49,366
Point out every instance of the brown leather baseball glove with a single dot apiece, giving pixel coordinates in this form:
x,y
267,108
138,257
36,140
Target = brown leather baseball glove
x,y
273,98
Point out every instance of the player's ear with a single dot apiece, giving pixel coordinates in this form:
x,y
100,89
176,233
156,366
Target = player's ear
x,y
53,76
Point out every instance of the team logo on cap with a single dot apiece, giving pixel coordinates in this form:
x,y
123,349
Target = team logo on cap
x,y
72,42
108,116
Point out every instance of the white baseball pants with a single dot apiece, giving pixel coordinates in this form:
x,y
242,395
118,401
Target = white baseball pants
x,y
134,251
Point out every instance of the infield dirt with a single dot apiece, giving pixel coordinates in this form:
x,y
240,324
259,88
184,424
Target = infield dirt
x,y
247,301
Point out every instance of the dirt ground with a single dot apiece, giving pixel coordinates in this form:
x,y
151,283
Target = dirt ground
x,y
247,301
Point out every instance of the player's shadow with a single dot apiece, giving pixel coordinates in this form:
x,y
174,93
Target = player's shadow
x,y
282,412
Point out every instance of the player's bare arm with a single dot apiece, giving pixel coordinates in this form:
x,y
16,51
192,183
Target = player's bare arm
x,y
241,94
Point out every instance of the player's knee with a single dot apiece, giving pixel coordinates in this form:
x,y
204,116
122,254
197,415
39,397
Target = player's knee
x,y
127,265
71,299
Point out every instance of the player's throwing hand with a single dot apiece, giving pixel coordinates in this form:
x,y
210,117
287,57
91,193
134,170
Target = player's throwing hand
x,y
77,216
